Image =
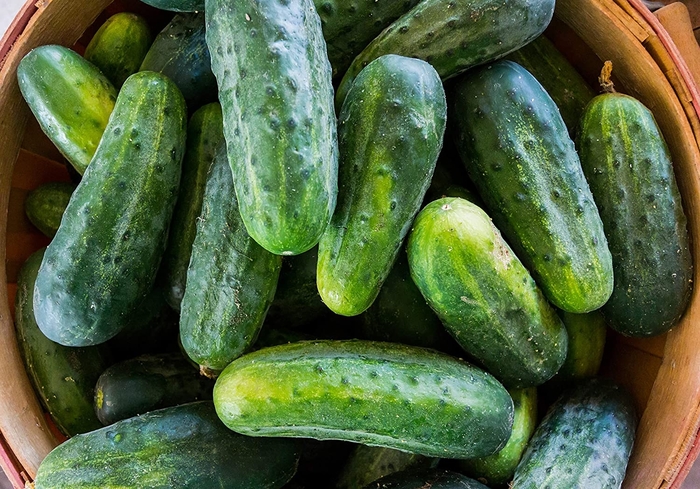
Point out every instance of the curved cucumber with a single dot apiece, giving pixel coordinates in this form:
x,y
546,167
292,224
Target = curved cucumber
x,y
119,46
71,99
231,280
63,377
183,446
46,204
519,155
389,137
585,440
104,257
483,294
456,35
629,168
424,479
275,88
180,52
205,133
383,394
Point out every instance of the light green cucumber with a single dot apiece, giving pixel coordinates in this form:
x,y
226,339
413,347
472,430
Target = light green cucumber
x,y
46,204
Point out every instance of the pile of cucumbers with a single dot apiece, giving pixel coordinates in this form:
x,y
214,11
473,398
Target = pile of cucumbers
x,y
394,227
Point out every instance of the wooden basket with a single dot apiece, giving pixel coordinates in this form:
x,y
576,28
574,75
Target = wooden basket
x,y
663,373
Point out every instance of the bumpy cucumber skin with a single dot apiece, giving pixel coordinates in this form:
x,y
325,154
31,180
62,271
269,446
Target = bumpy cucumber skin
x,y
104,257
231,280
46,204
147,383
519,155
389,137
119,46
367,464
63,377
454,36
585,440
205,133
275,89
423,479
184,446
483,295
71,99
180,52
498,469
177,5
381,394
628,166
559,78
587,334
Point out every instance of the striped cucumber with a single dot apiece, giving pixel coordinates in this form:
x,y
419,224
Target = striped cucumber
x,y
46,204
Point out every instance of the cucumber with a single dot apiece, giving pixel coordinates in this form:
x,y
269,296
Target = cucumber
x,y
119,46
180,52
483,295
585,440
104,257
148,383
382,394
367,464
70,98
628,166
183,446
177,5
519,155
275,88
559,78
205,133
45,205
586,346
231,280
498,469
64,378
454,36
426,479
389,137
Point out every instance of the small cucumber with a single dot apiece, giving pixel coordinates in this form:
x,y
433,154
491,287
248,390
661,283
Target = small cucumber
x,y
63,377
276,93
519,155
178,447
119,46
180,52
367,464
389,137
71,99
586,346
205,133
147,383
628,166
424,479
177,5
454,36
585,440
104,257
482,293
382,394
231,280
46,204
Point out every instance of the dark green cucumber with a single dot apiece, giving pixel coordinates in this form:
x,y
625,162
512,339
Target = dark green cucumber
x,y
382,394
63,377
231,280
71,99
498,469
177,5
628,166
426,479
389,137
585,440
586,346
483,295
147,383
275,88
180,52
177,447
559,78
119,46
454,36
367,464
519,155
205,133
104,257
46,204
